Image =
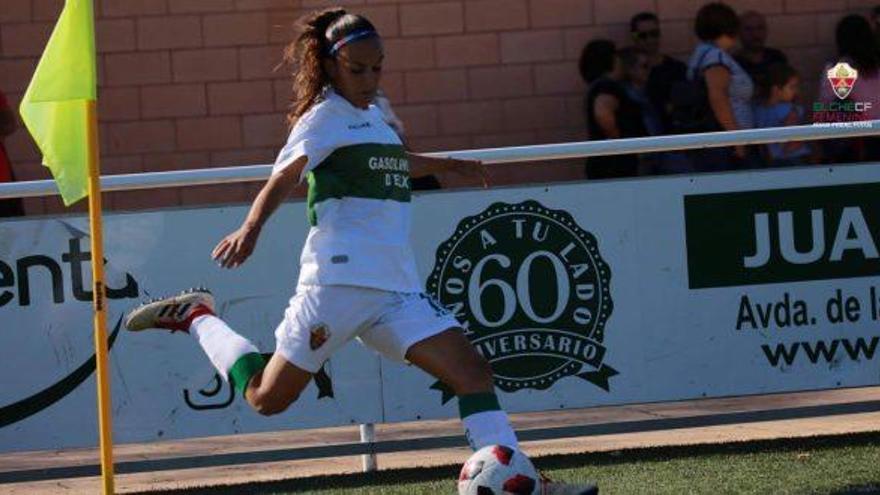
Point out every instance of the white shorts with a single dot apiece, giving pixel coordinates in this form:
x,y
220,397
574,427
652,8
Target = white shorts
x,y
321,319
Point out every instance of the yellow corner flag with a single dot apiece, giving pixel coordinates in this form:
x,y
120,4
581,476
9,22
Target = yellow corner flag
x,y
59,109
54,107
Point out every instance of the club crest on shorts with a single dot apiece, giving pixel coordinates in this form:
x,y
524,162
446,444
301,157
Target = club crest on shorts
x,y
532,293
318,335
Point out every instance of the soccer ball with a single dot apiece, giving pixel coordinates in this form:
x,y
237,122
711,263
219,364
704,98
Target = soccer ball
x,y
499,470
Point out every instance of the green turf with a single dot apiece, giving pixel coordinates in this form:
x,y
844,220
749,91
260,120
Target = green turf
x,y
827,465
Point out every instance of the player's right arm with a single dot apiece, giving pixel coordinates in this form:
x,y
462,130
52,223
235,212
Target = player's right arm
x,y
236,247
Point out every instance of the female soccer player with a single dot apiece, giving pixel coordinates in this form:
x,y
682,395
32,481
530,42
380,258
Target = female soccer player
x,y
357,271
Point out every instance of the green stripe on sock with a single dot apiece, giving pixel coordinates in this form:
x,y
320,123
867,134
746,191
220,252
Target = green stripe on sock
x,y
477,403
244,369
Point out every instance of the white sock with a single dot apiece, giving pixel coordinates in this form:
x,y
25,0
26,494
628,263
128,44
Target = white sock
x,y
489,428
222,345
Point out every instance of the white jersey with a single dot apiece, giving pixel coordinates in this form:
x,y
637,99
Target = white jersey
x,y
358,200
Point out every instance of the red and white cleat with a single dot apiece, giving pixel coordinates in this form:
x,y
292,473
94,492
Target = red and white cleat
x,y
175,313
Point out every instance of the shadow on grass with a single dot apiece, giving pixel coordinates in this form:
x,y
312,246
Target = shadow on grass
x,y
419,475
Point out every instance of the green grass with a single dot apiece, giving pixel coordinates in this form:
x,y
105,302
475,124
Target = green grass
x,y
846,464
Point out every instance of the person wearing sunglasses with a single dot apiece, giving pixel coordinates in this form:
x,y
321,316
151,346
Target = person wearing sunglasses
x,y
665,71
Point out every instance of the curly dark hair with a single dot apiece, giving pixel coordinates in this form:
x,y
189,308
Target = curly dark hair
x,y
714,20
318,32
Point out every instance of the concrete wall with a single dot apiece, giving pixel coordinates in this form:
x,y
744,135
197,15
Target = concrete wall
x,y
190,83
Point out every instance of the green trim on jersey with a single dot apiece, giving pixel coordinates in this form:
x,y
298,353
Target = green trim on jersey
x,y
370,170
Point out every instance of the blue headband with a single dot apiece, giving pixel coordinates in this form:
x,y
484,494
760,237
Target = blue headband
x,y
357,35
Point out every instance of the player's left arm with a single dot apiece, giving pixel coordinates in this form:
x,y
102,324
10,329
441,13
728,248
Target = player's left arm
x,y
422,165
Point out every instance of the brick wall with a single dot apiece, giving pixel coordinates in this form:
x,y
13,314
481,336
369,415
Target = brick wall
x,y
190,83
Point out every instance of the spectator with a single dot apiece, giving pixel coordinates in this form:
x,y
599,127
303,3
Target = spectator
x,y
610,112
755,57
729,89
855,46
665,71
778,109
8,124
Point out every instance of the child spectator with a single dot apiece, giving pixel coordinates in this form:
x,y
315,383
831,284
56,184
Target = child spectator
x,y
777,109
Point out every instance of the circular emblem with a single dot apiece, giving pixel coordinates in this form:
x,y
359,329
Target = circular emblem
x,y
531,292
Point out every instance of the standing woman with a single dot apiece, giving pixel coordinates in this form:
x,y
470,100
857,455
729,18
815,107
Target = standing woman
x,y
728,85
358,274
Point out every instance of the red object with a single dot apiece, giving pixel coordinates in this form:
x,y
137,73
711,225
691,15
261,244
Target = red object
x,y
520,485
5,166
503,454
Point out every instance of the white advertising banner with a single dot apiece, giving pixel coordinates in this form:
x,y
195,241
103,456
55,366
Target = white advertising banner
x,y
579,294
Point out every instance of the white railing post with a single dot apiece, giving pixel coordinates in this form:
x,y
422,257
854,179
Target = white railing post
x,y
368,435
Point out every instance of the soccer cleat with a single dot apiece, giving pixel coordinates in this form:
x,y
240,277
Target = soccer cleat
x,y
175,313
558,488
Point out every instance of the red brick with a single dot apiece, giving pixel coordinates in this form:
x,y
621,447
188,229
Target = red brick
x,y
173,100
265,130
467,50
118,104
620,11
393,86
21,148
25,39
221,194
128,8
281,25
409,53
678,37
553,13
503,140
191,6
205,65
576,39
114,35
440,143
791,30
115,165
265,4
558,78
764,6
496,15
531,46
212,133
418,120
236,29
501,82
317,4
535,113
15,11
34,206
250,156
384,17
137,68
263,63
139,137
15,74
43,10
432,18
283,91
240,97
438,85
143,199
30,170
567,135
164,162
156,33
472,117
574,111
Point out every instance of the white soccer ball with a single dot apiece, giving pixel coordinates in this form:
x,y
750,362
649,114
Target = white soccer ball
x,y
499,470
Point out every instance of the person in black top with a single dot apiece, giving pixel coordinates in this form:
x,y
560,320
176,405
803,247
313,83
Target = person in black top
x,y
665,72
609,111
754,57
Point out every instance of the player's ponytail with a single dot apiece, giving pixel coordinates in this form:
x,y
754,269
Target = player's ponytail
x,y
318,33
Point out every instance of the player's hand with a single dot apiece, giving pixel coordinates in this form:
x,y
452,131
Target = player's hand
x,y
470,169
235,248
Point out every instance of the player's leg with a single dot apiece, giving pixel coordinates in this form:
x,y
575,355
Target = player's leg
x,y
269,389
449,357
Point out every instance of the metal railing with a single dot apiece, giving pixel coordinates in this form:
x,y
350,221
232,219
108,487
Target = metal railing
x,y
230,175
